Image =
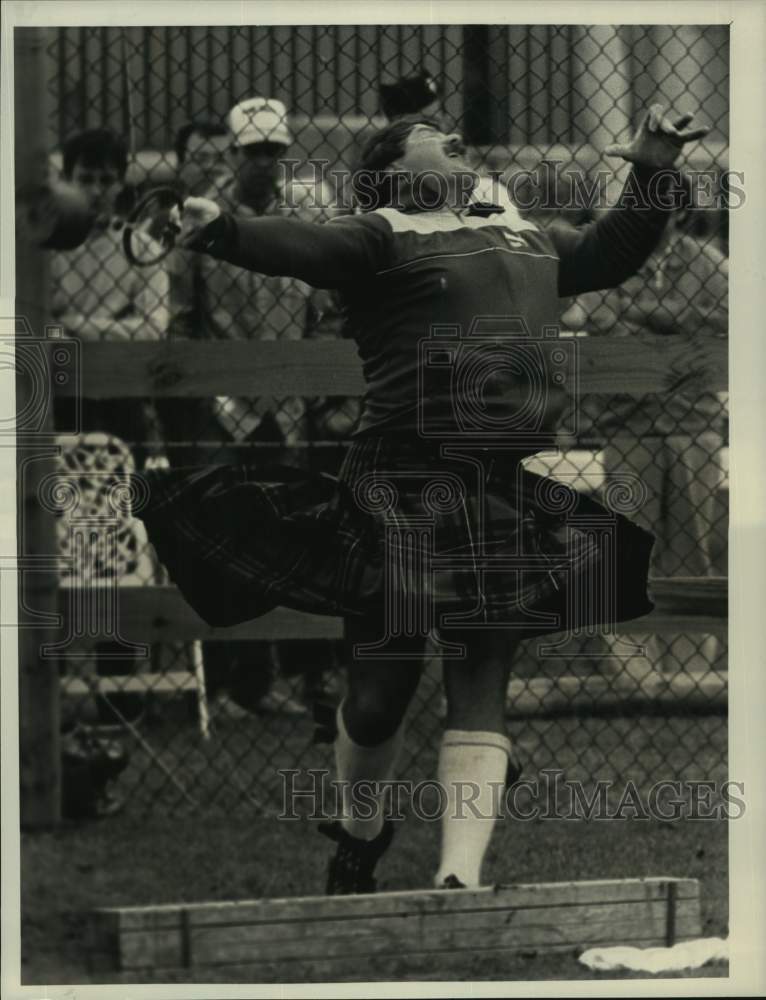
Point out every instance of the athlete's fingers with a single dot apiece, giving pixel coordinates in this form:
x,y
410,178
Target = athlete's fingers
x,y
679,138
654,117
675,130
684,119
694,133
616,149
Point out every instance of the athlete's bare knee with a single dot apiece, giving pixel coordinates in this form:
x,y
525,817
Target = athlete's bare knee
x,y
374,710
371,717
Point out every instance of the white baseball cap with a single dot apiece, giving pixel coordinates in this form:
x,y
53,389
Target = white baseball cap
x,y
259,119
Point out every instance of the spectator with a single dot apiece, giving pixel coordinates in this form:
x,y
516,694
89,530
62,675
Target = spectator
x,y
673,441
202,153
203,167
203,157
97,295
226,302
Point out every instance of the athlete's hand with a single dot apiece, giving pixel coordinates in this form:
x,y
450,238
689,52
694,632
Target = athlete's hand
x,y
659,141
192,218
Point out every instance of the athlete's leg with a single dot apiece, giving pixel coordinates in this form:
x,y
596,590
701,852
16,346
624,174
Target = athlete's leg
x,y
370,718
473,758
370,734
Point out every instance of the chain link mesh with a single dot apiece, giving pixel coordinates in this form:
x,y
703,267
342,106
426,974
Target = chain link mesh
x,y
212,723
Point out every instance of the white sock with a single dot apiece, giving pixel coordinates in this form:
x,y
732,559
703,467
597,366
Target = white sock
x,y
355,763
468,763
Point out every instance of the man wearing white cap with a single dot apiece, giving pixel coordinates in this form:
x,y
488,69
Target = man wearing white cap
x,y
261,136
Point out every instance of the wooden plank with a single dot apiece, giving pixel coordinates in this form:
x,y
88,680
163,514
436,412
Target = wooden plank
x,y
246,944
235,945
171,682
212,368
531,696
315,929
540,695
301,908
180,935
159,614
375,968
332,367
475,919
225,947
660,623
691,595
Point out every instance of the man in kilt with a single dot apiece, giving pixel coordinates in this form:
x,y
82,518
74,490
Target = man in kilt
x,y
433,526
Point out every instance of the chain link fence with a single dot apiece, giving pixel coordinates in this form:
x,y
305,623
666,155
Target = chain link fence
x,y
212,723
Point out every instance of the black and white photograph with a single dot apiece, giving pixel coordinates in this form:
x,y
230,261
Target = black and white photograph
x,y
373,483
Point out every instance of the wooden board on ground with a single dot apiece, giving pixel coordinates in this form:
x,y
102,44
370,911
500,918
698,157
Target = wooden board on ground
x,y
555,916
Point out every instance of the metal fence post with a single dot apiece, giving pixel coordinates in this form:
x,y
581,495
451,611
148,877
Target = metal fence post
x,y
38,591
477,94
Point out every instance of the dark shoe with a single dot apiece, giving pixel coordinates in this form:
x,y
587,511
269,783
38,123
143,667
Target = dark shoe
x,y
351,869
277,703
452,882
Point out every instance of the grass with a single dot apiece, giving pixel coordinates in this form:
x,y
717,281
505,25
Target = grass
x,y
124,862
162,851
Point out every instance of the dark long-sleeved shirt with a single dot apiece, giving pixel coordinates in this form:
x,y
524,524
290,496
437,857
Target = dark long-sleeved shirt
x,y
454,315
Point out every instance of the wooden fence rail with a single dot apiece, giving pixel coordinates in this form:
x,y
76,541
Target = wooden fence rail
x,y
178,368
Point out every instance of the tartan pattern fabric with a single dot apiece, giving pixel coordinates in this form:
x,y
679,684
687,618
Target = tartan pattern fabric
x,y
403,531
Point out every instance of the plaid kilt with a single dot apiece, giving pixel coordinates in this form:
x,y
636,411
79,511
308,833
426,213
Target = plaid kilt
x,y
426,539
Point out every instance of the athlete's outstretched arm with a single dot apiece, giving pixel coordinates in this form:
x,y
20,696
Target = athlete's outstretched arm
x,y
606,253
325,255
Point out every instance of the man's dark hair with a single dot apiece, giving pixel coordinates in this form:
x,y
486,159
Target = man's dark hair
x,y
372,186
207,129
94,148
